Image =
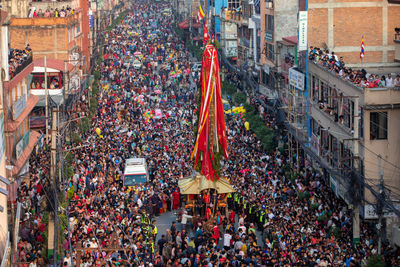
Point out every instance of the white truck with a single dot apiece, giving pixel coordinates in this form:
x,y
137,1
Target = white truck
x,y
135,172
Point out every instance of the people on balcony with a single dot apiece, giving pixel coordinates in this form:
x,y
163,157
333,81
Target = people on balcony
x,y
50,12
359,78
17,58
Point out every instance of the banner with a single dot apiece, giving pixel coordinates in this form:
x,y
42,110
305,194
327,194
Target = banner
x,y
303,31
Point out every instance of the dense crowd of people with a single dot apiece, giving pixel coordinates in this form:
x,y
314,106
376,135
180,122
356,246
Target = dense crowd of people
x,y
17,59
278,216
51,12
359,78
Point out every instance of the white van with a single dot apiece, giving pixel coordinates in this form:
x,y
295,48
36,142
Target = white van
x,y
135,172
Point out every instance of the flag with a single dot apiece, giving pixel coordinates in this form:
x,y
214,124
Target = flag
x,y
362,53
206,36
213,37
200,14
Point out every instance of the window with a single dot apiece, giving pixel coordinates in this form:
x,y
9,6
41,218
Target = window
x,y
270,52
269,23
233,4
378,125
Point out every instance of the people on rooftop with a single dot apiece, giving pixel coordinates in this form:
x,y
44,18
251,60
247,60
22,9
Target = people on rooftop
x,y
360,78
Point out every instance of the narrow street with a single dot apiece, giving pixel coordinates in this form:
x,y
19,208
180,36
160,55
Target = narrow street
x,y
145,107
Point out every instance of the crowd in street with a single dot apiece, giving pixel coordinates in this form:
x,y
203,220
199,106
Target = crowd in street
x,y
148,111
358,77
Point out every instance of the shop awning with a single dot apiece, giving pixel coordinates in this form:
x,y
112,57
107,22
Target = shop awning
x,y
197,38
184,25
197,25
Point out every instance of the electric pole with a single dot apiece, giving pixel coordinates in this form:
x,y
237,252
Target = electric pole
x,y
53,180
379,206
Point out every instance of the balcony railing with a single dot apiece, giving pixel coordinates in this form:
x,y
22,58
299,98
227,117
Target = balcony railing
x,y
21,66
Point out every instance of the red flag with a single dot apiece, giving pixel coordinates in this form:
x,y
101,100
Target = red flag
x,y
206,36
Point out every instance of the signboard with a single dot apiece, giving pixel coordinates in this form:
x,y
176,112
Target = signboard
x,y
74,84
1,136
19,107
266,68
230,30
315,143
269,37
19,148
296,79
231,49
333,184
370,211
303,30
90,21
74,58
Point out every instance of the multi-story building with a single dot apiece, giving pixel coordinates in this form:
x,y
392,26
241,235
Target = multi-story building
x,y
278,20
339,26
343,127
4,182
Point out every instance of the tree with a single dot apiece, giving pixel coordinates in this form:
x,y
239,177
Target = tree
x,y
375,261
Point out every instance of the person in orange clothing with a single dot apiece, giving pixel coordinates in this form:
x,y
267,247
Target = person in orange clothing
x,y
208,213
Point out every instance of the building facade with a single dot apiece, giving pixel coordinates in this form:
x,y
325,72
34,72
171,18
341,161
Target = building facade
x,y
339,26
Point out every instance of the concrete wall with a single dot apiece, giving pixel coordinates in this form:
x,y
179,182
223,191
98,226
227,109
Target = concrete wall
x,y
389,150
340,25
285,22
285,18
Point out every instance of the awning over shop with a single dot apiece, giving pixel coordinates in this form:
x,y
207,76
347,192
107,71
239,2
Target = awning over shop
x,y
197,25
197,38
52,63
184,24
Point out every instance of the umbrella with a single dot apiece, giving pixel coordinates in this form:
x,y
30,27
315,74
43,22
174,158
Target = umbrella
x,y
157,92
137,53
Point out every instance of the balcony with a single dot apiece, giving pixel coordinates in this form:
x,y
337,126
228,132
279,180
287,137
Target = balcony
x,y
234,17
397,45
42,6
18,63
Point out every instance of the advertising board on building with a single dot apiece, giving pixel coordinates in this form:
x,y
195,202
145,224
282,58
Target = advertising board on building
x,y
315,143
296,79
303,30
231,49
370,211
230,30
269,37
19,107
19,148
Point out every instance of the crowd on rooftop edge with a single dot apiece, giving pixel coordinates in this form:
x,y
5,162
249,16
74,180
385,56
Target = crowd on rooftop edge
x,y
51,12
359,78
16,59
271,220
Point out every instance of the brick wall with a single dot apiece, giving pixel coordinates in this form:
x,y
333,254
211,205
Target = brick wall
x,y
340,25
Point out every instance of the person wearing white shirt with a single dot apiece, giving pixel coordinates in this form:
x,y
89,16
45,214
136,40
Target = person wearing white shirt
x,y
185,217
389,81
227,240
